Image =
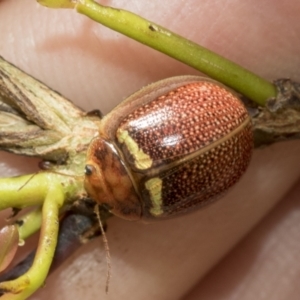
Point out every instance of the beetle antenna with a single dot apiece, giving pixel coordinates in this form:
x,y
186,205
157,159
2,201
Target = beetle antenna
x,y
106,247
28,180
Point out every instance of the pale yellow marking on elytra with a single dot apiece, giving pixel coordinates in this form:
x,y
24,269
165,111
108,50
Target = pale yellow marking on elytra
x,y
142,160
154,186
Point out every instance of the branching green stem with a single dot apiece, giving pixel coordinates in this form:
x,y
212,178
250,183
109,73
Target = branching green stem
x,y
49,190
26,284
176,46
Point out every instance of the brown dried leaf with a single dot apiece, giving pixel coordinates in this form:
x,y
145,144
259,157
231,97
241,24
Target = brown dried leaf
x,y
35,120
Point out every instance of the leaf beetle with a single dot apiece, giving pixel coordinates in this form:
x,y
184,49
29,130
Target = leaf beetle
x,y
172,147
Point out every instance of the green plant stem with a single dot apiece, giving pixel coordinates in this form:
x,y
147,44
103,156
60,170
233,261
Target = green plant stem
x,y
30,190
30,223
188,52
25,285
49,190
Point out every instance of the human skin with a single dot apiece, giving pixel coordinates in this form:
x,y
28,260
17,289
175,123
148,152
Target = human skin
x,y
97,68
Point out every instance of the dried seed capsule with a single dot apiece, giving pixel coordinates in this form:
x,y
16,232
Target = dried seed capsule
x,y
172,147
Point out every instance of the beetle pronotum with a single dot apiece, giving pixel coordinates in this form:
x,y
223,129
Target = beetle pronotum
x,y
171,147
